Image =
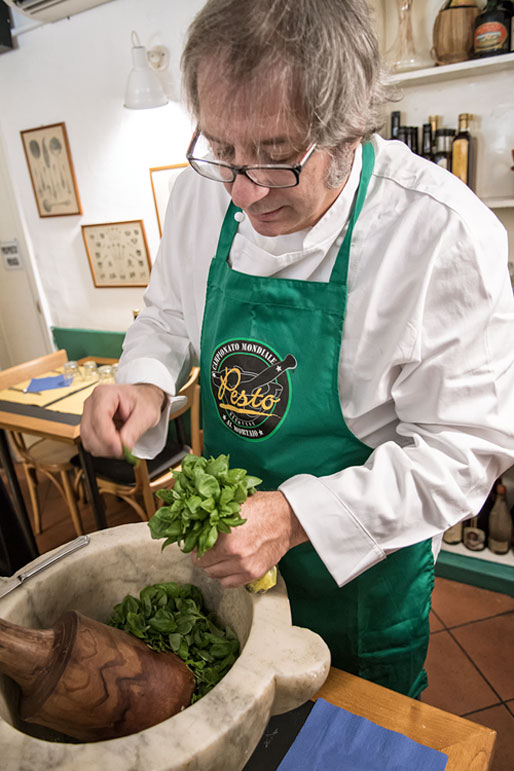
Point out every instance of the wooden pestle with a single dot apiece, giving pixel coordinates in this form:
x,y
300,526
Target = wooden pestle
x,y
92,681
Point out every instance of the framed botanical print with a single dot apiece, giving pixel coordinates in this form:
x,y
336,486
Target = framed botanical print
x,y
48,155
163,179
118,253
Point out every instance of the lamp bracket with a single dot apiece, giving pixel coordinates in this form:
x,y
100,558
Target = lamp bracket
x,y
158,58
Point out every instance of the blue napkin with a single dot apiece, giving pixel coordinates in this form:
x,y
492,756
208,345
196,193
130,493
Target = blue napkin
x,y
38,384
332,739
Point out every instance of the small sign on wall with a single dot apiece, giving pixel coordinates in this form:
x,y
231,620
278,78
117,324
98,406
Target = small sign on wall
x,y
11,255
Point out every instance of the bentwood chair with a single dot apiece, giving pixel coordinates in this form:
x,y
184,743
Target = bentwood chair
x,y
137,485
48,457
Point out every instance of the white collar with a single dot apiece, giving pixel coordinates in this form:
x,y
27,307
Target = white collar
x,y
324,232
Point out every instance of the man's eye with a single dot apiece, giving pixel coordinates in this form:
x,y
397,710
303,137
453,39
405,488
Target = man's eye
x,y
279,158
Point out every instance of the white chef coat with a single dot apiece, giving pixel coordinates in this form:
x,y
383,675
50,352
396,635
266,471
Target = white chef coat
x,y
426,371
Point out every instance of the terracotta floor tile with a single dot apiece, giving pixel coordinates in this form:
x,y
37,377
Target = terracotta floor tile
x,y
491,646
502,721
453,682
510,706
457,603
435,623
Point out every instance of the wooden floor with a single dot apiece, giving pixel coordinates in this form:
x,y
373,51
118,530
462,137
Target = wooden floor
x,y
470,661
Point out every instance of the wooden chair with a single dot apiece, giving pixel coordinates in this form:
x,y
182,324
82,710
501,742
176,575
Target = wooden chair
x,y
137,486
45,456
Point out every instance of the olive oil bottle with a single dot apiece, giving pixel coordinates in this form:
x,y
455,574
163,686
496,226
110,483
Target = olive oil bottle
x,y
500,523
463,152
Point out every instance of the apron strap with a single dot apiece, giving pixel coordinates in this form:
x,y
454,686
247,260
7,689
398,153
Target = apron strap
x,y
340,269
228,231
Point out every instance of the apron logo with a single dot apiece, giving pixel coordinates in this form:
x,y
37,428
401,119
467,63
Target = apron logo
x,y
251,387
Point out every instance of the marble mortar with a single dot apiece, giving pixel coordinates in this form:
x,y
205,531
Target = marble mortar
x,y
280,666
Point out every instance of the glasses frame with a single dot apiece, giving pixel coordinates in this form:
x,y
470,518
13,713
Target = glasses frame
x,y
243,170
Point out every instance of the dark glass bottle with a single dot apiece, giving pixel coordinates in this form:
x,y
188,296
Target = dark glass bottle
x,y
402,134
395,124
476,530
473,536
508,6
414,139
500,523
426,145
443,152
463,152
492,30
434,122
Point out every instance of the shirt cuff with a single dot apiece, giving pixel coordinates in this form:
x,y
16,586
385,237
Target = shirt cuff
x,y
343,544
152,441
152,371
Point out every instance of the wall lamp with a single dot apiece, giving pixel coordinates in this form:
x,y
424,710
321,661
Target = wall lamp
x,y
144,89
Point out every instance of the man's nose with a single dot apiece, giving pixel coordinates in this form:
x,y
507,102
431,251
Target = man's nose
x,y
244,192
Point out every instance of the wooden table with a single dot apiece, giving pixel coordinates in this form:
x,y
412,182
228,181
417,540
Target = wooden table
x,y
60,426
469,746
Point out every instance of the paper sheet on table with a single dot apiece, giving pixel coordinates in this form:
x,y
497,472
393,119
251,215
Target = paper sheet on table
x,y
332,739
18,394
38,384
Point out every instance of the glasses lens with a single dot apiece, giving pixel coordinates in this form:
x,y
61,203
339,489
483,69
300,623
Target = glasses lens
x,y
272,177
212,170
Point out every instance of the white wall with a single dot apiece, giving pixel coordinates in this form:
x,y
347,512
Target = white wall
x,y
75,71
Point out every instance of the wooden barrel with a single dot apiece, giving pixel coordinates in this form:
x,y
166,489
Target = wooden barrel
x,y
453,34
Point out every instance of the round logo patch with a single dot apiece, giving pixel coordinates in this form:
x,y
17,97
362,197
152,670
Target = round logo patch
x,y
251,387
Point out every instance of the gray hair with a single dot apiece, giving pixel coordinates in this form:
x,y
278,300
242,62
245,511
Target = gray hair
x,y
322,53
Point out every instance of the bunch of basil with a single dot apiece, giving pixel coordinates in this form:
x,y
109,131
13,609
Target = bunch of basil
x,y
173,617
204,501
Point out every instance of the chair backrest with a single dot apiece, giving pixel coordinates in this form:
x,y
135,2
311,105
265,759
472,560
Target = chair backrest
x,y
191,390
33,368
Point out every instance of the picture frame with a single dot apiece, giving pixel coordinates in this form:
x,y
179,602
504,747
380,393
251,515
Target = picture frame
x,y
162,179
48,155
118,254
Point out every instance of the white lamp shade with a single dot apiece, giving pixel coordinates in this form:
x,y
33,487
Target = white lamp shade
x,y
144,88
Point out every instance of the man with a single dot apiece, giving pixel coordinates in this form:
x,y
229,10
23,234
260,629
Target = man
x,y
350,308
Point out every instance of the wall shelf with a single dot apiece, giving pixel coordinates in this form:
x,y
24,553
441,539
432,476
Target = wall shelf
x,y
471,68
484,569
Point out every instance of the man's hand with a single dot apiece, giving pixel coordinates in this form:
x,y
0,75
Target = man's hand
x,y
117,415
270,530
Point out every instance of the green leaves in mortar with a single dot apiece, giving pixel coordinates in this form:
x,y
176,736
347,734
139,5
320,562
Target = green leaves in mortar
x,y
204,501
172,617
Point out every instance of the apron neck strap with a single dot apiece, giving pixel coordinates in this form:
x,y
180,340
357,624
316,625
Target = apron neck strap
x,y
228,231
340,270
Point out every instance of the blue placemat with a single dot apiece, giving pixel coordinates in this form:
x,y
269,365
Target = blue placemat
x,y
332,739
38,384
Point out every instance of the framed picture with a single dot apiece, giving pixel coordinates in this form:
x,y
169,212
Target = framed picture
x,y
163,179
118,253
48,155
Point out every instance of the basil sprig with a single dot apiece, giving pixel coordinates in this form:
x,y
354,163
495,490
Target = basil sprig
x,y
204,501
173,617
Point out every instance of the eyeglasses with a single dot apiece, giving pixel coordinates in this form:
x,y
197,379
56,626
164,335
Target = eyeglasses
x,y
265,175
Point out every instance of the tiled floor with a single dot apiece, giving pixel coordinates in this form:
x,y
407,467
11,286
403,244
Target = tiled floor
x,y
471,654
470,661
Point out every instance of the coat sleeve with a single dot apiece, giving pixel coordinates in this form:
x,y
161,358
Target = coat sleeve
x,y
454,404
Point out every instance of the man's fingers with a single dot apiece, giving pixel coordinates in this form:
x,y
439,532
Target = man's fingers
x,y
97,429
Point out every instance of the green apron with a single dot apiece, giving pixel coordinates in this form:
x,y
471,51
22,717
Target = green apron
x,y
270,353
